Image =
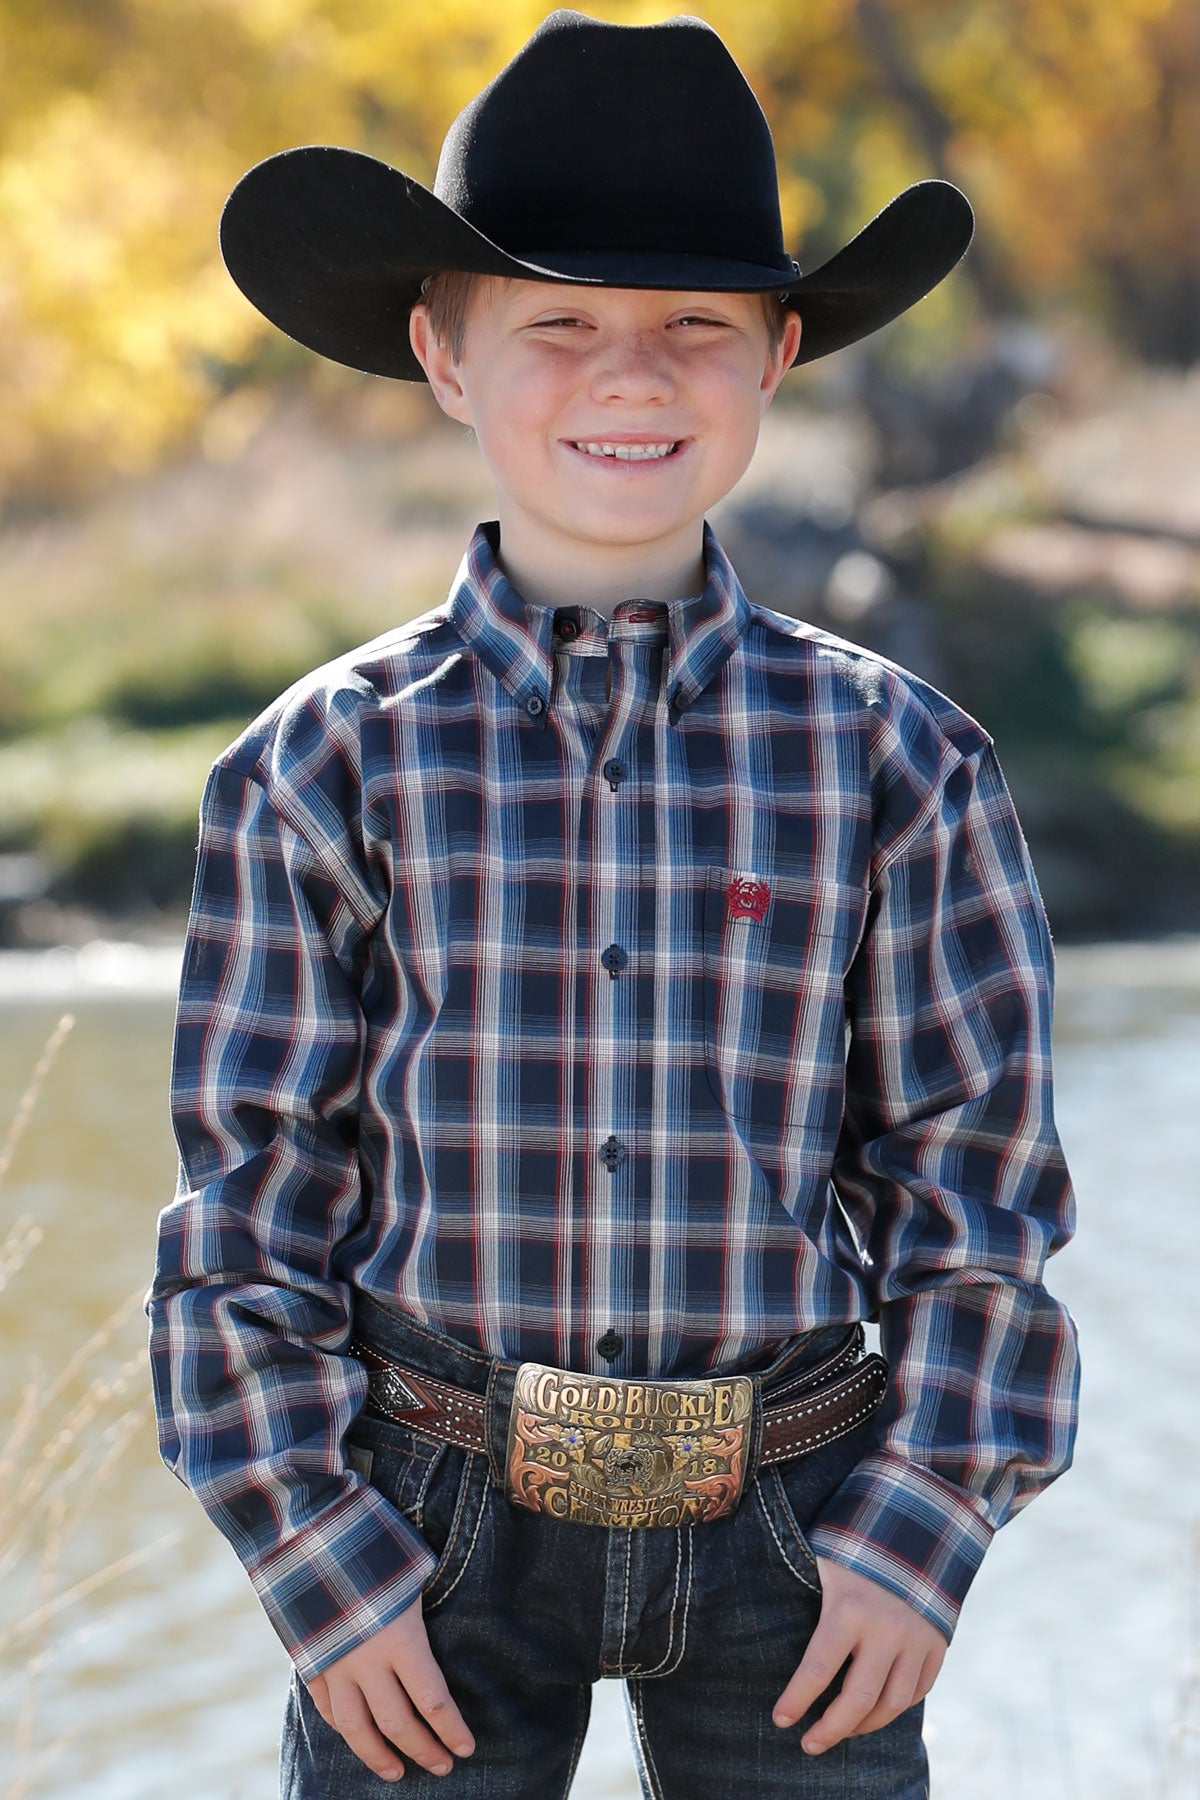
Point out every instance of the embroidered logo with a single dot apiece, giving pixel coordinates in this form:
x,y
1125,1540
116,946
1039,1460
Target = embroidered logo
x,y
747,898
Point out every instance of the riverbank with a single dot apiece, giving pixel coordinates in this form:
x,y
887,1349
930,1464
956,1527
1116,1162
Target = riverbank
x,y
127,968
1020,527
1073,1670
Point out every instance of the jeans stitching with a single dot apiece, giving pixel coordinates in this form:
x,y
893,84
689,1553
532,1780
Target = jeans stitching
x,y
584,1707
498,1475
635,1694
470,1553
798,1573
418,1511
625,1609
660,1668
455,1534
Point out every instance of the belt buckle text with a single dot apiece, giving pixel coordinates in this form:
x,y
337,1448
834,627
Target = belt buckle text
x,y
604,1451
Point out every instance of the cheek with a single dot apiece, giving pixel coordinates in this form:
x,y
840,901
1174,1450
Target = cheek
x,y
730,396
519,418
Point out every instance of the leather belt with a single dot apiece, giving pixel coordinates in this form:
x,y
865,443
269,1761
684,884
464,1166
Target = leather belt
x,y
604,1450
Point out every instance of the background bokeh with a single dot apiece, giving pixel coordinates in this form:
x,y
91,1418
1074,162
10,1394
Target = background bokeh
x,y
1001,491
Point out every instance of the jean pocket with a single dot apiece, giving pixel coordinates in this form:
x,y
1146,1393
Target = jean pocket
x,y
440,1489
792,1494
776,953
791,1546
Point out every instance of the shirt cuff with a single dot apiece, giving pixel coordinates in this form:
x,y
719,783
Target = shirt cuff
x,y
341,1578
908,1529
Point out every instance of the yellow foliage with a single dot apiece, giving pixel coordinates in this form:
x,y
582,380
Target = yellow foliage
x,y
1072,124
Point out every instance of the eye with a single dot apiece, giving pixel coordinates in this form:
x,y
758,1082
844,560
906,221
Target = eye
x,y
698,319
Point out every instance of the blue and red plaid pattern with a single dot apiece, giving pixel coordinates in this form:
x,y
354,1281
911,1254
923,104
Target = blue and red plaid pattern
x,y
700,1013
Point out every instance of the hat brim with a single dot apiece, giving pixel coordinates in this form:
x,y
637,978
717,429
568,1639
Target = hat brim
x,y
332,246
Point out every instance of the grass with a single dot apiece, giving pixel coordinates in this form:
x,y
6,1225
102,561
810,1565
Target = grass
x,y
68,1431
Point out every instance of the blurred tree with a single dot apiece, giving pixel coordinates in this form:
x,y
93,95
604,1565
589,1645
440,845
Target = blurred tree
x,y
1072,124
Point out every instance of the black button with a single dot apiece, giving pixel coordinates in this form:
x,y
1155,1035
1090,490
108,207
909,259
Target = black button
x,y
614,1152
614,773
614,958
566,625
610,1345
535,704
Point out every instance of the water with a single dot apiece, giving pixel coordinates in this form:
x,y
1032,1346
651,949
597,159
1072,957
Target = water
x,y
1073,1675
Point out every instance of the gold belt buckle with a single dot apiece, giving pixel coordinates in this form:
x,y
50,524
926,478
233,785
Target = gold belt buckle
x,y
604,1451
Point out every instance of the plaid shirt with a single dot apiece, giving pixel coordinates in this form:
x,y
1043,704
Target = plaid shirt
x,y
700,1015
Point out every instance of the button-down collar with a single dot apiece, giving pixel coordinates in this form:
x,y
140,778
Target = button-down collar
x,y
514,636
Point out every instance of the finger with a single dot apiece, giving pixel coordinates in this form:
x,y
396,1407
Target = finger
x,y
897,1695
930,1670
827,1650
318,1691
429,1694
861,1688
352,1718
393,1714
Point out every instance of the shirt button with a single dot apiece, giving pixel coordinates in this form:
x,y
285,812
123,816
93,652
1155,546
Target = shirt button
x,y
565,625
610,1345
614,773
613,1152
614,958
535,704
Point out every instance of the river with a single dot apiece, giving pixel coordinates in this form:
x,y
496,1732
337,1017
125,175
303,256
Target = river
x,y
1074,1672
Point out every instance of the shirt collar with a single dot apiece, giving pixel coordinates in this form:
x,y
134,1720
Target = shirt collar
x,y
514,637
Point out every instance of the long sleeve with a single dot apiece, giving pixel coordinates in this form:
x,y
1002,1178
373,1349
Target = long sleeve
x,y
950,1171
248,1319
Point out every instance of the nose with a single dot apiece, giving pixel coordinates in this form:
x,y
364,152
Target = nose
x,y
633,366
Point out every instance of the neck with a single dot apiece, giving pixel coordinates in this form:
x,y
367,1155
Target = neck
x,y
570,572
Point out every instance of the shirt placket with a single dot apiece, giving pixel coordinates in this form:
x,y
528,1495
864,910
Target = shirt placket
x,y
613,929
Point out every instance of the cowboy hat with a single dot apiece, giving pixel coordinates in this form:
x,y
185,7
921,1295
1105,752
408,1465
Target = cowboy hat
x,y
614,155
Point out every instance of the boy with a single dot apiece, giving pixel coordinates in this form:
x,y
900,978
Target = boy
x,y
565,1066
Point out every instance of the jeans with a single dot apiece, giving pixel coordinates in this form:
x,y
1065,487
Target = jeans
x,y
704,1624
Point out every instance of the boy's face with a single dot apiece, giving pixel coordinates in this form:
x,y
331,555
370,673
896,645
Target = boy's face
x,y
548,368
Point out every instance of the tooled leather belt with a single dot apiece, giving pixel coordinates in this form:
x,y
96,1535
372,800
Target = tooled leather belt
x,y
604,1450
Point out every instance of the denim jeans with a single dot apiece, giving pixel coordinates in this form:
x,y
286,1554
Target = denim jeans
x,y
704,1624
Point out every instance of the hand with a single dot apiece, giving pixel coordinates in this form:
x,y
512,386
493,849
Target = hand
x,y
896,1656
374,1693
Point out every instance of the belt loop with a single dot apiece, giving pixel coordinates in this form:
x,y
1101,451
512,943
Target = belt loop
x,y
754,1449
494,1375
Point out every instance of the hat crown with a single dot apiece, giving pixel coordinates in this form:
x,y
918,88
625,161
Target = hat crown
x,y
618,137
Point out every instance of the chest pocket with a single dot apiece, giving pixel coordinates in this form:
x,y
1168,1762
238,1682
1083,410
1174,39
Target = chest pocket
x,y
776,952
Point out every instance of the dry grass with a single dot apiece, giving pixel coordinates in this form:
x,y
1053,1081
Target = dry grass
x,y
68,1430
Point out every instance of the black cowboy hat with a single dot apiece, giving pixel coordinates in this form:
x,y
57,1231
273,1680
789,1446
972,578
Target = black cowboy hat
x,y
615,155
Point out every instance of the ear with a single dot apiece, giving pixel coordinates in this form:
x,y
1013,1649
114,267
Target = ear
x,y
783,359
439,365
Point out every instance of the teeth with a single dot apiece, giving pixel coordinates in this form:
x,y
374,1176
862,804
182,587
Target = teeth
x,y
628,452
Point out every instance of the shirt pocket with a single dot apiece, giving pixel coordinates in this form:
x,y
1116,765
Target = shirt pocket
x,y
776,952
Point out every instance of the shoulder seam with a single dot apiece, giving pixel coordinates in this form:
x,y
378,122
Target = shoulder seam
x,y
820,639
929,806
333,870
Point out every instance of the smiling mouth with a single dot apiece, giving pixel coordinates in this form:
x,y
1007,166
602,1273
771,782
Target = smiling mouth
x,y
599,451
